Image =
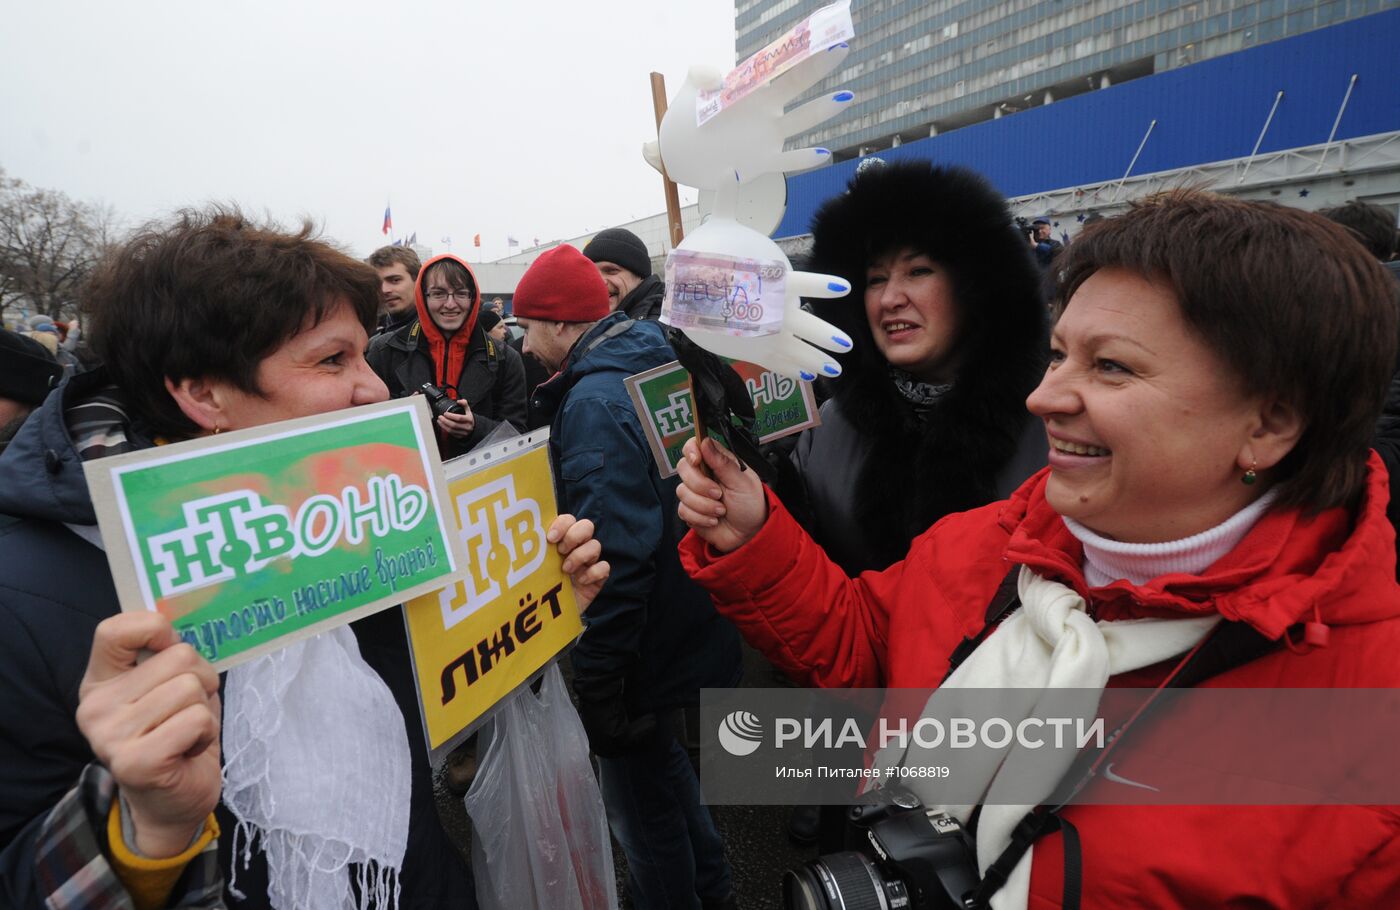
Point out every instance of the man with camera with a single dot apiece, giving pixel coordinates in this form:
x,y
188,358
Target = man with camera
x,y
1046,246
473,382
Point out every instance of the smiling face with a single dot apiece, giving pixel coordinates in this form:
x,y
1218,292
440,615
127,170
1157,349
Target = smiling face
x,y
320,369
1149,430
448,306
620,282
912,313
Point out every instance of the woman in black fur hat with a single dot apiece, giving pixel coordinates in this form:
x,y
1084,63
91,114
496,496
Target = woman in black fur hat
x,y
929,417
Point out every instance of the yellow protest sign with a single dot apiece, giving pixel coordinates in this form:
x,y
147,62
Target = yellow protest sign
x,y
477,641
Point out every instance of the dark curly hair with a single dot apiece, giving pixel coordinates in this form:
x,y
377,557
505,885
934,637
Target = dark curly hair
x,y
211,294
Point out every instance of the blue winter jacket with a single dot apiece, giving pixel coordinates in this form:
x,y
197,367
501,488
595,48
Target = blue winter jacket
x,y
651,626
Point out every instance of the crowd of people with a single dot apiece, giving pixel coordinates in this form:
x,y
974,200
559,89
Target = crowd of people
x,y
1183,424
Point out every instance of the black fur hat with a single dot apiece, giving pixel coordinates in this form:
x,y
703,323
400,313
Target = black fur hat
x,y
956,217
924,466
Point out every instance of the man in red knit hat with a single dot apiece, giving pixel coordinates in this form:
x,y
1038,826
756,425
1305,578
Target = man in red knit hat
x,y
653,640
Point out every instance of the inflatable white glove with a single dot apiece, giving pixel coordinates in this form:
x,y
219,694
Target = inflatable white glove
x,y
738,139
745,139
790,350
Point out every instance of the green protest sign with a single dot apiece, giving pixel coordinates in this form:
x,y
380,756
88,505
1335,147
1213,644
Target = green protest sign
x,y
661,395
251,540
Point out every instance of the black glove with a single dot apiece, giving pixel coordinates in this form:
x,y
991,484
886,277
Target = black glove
x,y
722,402
603,710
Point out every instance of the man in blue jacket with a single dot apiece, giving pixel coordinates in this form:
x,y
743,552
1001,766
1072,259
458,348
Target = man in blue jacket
x,y
653,640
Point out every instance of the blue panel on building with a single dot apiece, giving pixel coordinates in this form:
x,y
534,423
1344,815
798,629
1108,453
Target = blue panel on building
x,y
1210,111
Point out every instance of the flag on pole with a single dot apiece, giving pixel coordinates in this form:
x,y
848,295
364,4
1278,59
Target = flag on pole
x,y
388,221
476,241
511,241
447,241
411,240
537,241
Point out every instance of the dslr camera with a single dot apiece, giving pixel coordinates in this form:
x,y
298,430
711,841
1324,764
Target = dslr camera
x,y
439,402
916,858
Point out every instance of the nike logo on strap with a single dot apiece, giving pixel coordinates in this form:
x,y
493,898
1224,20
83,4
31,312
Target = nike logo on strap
x,y
1109,775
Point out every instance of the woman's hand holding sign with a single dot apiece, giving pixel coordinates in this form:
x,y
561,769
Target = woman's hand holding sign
x,y
726,510
582,556
155,726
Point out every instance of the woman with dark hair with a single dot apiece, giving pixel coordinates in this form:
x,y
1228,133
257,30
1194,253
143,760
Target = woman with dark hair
x,y
929,415
1210,490
111,765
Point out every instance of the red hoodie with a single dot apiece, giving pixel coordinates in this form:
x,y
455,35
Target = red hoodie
x,y
449,352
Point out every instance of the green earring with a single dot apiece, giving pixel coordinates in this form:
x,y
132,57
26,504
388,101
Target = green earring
x,y
1250,476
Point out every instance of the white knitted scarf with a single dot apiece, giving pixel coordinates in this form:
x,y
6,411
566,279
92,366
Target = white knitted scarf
x,y
1049,643
317,768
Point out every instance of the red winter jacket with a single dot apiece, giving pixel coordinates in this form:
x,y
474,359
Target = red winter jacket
x,y
896,628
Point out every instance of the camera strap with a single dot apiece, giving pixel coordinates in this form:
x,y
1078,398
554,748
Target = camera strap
x,y
1229,645
613,332
1003,602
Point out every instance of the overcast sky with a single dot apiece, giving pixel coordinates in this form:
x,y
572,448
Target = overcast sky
x,y
520,118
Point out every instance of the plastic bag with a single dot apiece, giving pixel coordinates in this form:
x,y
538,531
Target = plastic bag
x,y
540,834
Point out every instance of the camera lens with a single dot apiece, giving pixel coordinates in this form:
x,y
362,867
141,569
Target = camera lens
x,y
842,881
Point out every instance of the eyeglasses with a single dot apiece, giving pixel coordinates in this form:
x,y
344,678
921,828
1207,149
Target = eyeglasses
x,y
438,295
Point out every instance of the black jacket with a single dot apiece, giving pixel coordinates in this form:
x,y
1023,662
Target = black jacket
x,y
390,322
651,629
878,472
1387,440
55,588
645,300
492,379
1387,444
535,375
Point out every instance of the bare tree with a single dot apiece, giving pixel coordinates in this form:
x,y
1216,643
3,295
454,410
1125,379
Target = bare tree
x,y
48,245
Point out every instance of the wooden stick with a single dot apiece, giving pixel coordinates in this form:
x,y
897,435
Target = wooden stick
x,y
676,230
673,202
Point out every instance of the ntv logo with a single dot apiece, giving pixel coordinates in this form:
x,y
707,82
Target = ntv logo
x,y
505,537
233,534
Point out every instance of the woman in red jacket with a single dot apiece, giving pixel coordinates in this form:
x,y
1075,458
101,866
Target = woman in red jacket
x,y
1216,371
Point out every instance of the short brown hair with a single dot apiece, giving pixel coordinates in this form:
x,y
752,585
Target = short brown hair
x,y
454,274
1370,224
1287,298
211,295
386,256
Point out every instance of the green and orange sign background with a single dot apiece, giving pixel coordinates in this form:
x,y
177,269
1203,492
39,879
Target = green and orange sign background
x,y
249,540
782,406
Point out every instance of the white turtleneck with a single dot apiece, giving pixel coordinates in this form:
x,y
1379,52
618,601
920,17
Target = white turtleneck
x,y
1106,561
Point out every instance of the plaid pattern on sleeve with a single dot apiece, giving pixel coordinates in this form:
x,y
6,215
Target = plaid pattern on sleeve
x,y
71,861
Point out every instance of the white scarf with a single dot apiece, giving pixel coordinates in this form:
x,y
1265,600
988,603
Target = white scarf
x,y
317,766
1049,643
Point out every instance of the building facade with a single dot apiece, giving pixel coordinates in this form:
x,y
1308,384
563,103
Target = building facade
x,y
1309,121
923,67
